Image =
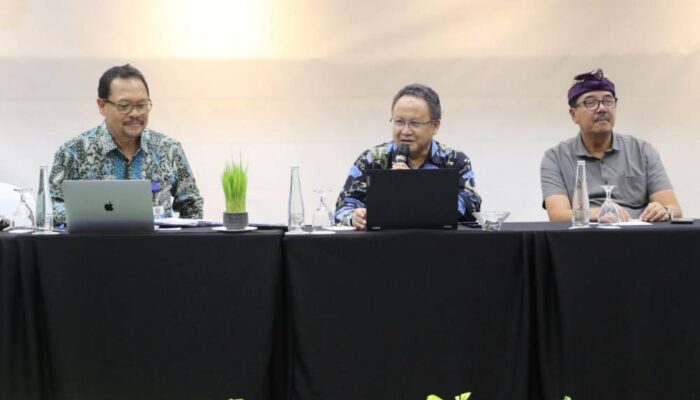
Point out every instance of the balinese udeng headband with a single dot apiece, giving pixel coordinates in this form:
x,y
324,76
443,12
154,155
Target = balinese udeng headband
x,y
588,82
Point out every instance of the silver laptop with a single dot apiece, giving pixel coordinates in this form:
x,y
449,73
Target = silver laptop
x,y
108,206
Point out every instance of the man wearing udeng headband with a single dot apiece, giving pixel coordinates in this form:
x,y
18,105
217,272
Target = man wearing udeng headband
x,y
642,188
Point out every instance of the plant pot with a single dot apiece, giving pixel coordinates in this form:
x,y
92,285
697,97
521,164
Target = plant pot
x,y
235,220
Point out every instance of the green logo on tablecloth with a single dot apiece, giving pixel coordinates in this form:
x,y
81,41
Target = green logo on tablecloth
x,y
463,396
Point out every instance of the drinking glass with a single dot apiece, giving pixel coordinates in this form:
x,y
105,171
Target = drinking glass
x,y
23,218
609,217
491,220
323,217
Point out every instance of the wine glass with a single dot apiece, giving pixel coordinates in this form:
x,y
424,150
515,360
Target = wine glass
x,y
323,217
491,220
609,217
23,218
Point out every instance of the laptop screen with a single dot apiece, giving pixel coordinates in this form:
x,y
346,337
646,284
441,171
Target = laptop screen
x,y
109,205
423,198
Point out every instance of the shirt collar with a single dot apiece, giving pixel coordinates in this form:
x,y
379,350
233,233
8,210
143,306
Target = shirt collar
x,y
145,135
616,145
105,138
434,158
108,143
581,151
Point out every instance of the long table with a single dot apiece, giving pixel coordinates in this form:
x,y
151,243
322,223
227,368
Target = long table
x,y
620,312
192,315
535,311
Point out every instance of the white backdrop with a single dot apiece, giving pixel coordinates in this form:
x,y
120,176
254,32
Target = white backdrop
x,y
310,82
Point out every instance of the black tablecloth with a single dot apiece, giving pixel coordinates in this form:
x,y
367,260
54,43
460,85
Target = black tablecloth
x,y
150,316
405,314
621,311
24,362
536,311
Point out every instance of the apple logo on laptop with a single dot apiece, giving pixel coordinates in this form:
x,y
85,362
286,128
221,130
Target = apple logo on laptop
x,y
109,206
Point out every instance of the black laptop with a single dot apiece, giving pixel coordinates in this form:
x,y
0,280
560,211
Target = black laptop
x,y
423,198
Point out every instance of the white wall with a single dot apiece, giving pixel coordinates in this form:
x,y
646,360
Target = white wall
x,y
310,82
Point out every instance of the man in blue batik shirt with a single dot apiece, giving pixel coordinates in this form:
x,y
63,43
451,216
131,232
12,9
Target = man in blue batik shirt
x,y
121,147
416,116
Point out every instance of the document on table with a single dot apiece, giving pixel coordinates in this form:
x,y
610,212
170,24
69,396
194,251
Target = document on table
x,y
634,222
184,222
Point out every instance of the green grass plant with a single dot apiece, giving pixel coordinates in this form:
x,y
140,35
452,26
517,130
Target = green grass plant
x,y
235,183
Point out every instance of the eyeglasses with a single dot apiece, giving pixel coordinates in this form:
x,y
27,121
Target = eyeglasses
x,y
400,124
591,103
125,108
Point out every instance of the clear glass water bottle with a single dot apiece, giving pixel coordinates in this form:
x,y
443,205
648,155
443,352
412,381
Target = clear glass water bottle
x,y
44,208
296,203
580,206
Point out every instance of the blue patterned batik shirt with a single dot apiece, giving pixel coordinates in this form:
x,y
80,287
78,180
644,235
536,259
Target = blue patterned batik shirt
x,y
94,155
380,157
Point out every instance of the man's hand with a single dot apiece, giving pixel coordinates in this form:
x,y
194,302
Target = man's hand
x,y
399,165
654,212
359,219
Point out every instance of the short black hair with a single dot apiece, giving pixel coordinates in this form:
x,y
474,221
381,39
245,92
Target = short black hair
x,y
422,92
121,71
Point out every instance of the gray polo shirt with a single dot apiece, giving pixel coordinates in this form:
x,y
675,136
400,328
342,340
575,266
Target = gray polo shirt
x,y
632,165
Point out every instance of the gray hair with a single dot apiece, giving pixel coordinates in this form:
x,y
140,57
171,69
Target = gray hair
x,y
422,92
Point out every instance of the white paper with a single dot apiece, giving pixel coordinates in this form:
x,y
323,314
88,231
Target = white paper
x,y
185,222
634,222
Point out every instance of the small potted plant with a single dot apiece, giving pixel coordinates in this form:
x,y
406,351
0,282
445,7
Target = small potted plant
x,y
235,183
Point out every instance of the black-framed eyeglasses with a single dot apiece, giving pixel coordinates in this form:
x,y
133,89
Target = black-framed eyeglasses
x,y
400,123
125,108
591,103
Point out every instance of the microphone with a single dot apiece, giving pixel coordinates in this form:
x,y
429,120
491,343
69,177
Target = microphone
x,y
401,153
